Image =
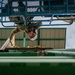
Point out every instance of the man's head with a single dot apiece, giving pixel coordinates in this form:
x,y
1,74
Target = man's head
x,y
32,34
32,30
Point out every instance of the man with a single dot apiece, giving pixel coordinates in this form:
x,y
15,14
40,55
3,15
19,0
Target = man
x,y
30,28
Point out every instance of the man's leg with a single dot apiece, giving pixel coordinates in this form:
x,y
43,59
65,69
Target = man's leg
x,y
14,31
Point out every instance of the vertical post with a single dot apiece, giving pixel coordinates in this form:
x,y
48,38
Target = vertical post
x,y
24,39
38,40
24,42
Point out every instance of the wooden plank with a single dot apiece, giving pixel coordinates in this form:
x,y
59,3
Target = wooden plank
x,y
25,49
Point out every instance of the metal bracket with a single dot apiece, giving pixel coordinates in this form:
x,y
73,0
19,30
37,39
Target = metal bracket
x,y
59,20
50,20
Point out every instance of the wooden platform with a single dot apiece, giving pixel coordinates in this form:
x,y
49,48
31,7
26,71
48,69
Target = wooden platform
x,y
24,49
27,48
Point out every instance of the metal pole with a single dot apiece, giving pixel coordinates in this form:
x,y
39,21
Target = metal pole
x,y
70,53
24,40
